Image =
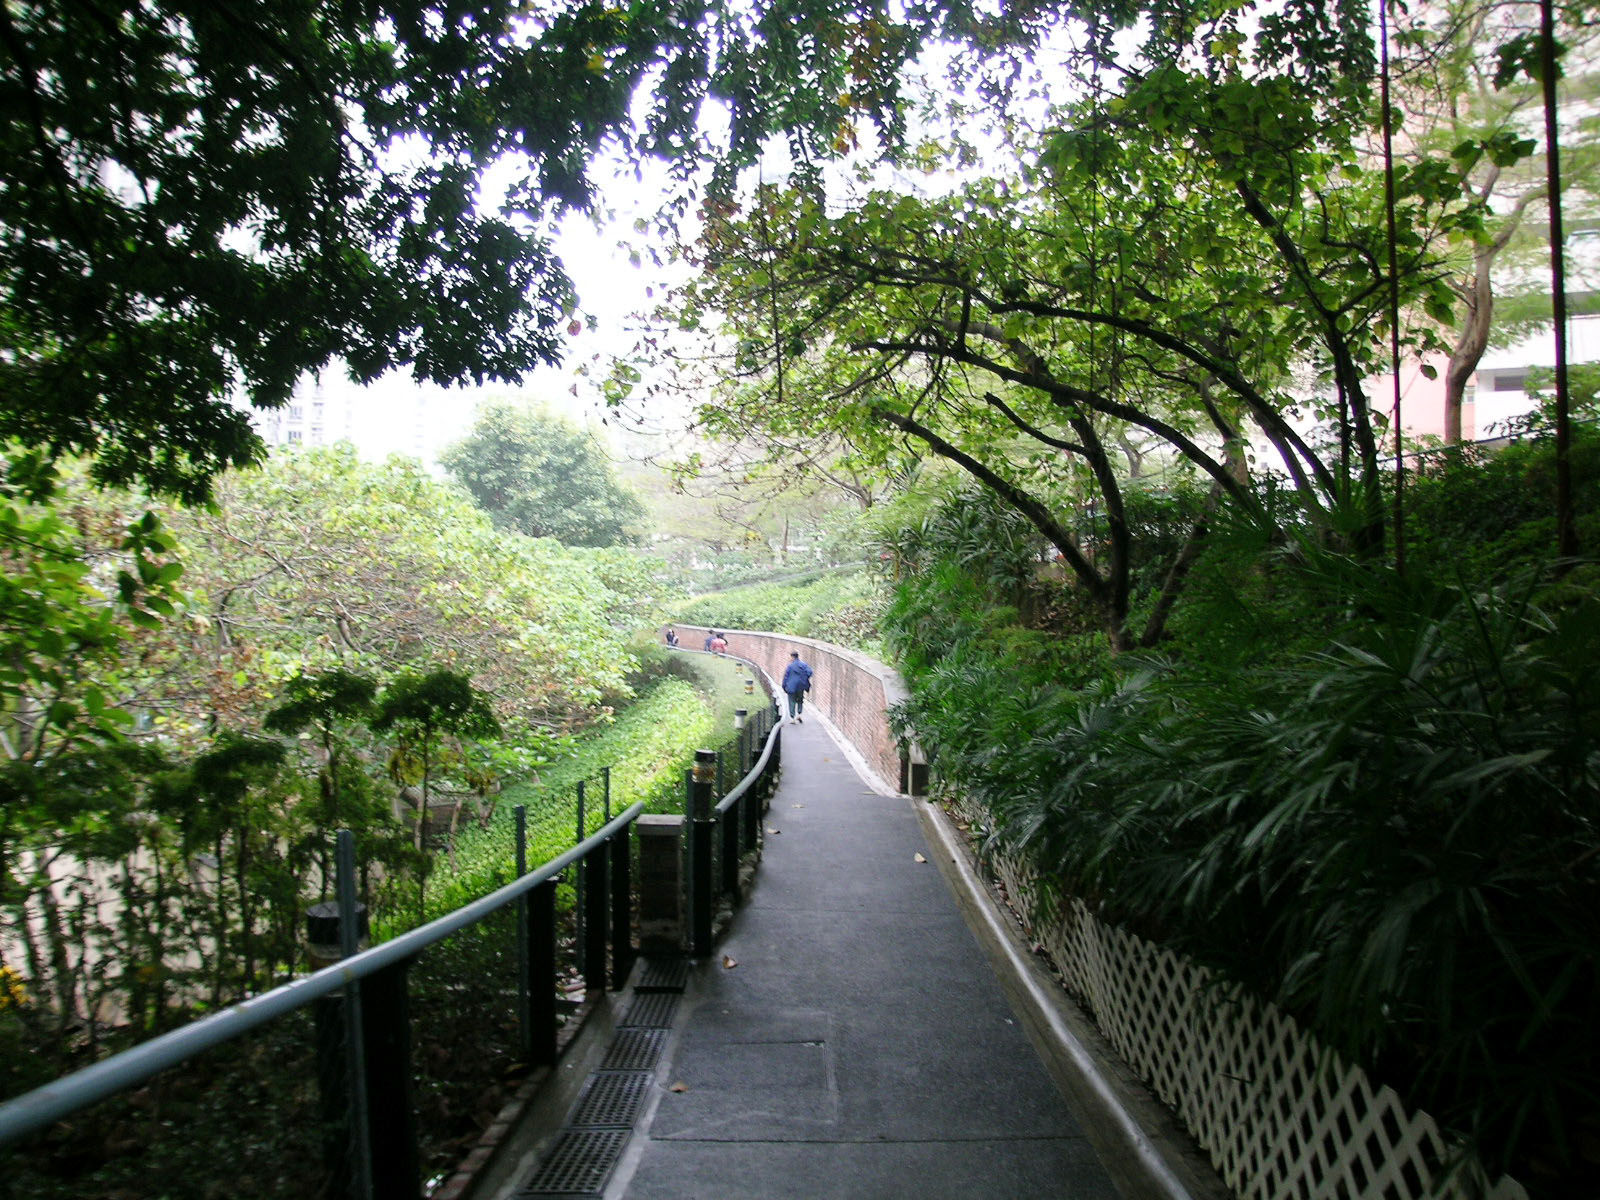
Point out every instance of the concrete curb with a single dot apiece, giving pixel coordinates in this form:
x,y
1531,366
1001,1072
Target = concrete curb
x,y
1139,1141
524,1129
853,756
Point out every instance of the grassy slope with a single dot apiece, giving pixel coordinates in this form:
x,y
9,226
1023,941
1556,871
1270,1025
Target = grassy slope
x,y
648,747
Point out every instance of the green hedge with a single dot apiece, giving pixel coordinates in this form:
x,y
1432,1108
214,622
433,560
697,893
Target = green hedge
x,y
837,607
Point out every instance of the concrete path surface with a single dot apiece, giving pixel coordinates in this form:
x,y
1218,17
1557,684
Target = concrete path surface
x,y
856,1044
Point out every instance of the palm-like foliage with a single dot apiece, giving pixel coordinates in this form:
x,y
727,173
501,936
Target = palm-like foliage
x,y
1394,836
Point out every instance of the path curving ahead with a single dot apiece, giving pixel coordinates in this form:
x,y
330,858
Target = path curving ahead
x,y
859,1045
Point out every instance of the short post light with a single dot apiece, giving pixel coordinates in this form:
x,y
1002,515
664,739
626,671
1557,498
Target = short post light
x,y
701,825
739,717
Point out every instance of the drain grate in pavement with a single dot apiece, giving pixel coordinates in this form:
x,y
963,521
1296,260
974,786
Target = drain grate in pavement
x,y
602,1120
663,975
651,1010
634,1050
611,1100
579,1164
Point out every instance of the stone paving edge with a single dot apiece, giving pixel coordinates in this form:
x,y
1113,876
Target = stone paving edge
x,y
1141,1144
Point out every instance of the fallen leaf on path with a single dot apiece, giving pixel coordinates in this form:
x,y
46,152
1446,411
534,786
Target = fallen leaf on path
x,y
729,962
797,806
770,829
919,858
679,1087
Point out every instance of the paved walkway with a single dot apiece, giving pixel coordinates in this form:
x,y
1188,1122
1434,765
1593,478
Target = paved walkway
x,y
858,1044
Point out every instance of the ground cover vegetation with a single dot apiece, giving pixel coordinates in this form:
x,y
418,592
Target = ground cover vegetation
x,y
1325,724
835,606
535,473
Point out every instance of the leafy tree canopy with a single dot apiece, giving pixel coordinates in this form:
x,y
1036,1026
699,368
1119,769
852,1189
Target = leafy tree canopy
x,y
204,201
534,473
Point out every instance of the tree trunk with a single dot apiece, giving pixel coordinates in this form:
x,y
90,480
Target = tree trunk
x,y
1474,338
63,984
1478,296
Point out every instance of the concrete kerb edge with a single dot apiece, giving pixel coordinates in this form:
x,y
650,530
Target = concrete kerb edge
x,y
1140,1143
853,756
530,1122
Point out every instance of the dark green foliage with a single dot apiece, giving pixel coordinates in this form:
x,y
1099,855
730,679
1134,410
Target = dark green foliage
x,y
193,206
1479,513
240,1120
1373,798
318,700
542,477
1393,837
441,700
206,200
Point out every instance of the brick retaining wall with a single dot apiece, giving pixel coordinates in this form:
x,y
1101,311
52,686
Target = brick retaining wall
x,y
851,689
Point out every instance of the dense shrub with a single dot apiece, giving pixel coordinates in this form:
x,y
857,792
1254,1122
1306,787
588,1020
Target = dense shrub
x,y
1373,797
1476,515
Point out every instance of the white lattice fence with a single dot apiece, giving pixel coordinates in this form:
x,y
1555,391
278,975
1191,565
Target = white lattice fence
x,y
1281,1117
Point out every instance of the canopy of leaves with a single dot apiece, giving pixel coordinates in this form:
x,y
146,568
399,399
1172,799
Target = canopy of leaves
x,y
315,561
203,201
536,474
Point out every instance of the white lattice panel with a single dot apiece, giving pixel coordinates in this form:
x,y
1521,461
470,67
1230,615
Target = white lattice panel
x,y
1281,1117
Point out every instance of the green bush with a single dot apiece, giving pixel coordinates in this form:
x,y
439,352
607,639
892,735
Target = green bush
x,y
1393,836
833,606
1478,516
1372,797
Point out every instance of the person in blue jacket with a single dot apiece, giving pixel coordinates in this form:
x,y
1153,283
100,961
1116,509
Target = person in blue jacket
x,y
796,683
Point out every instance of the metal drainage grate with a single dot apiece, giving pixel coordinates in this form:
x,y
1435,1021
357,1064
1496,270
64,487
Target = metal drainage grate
x,y
610,1100
634,1050
663,975
652,1010
579,1163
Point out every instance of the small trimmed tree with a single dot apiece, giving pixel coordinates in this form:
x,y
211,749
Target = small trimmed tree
x,y
432,715
539,475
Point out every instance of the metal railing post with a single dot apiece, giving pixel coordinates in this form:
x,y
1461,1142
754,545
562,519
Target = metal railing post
x,y
605,779
596,898
524,1013
621,906
577,881
728,823
392,1114
358,1115
701,825
542,973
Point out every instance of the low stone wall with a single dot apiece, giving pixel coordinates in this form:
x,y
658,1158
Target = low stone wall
x,y
852,690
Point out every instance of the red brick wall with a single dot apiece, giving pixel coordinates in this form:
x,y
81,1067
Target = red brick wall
x,y
850,689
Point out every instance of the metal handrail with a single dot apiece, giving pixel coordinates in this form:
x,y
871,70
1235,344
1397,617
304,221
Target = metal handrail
x,y
757,768
59,1098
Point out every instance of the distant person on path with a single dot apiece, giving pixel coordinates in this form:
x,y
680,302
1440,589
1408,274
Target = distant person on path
x,y
672,636
796,683
719,644
710,637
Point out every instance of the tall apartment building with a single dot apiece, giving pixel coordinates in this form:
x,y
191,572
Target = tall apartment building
x,y
393,415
